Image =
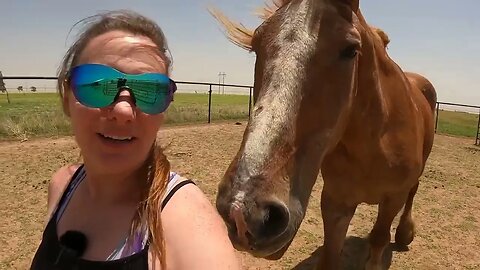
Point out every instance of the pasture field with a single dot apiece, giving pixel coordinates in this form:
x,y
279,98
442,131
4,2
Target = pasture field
x,y
39,114
446,208
457,123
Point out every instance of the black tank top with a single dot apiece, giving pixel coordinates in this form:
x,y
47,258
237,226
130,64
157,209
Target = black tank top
x,y
51,256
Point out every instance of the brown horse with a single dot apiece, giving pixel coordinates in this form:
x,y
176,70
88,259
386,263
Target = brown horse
x,y
327,97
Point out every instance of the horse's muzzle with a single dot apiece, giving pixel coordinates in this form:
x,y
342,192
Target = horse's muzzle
x,y
258,229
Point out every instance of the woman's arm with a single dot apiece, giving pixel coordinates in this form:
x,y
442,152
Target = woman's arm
x,y
195,234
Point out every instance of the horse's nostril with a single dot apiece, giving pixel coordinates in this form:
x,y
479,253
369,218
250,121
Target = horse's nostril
x,y
276,219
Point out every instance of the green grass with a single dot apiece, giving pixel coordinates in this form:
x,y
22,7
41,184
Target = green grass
x,y
40,114
190,108
457,123
32,114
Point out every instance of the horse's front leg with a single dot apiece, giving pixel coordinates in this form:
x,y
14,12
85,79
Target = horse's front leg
x,y
336,218
379,237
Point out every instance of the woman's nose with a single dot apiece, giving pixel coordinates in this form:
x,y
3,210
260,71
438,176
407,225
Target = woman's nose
x,y
123,108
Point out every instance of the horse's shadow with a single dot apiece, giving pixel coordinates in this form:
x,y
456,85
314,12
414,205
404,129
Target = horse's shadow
x,y
354,255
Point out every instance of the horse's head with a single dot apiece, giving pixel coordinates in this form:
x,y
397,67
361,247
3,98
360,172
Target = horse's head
x,y
305,81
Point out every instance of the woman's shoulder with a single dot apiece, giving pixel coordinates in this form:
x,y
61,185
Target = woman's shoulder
x,y
58,183
195,235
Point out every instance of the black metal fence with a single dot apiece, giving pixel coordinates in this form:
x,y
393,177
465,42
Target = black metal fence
x,y
209,85
250,101
210,91
471,108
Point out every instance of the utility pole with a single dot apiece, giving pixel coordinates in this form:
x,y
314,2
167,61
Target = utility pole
x,y
221,80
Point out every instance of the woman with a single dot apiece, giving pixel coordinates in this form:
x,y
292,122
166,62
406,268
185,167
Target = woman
x,y
123,208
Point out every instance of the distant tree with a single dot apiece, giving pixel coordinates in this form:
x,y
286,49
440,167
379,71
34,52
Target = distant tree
x,y
2,87
2,84
33,88
20,88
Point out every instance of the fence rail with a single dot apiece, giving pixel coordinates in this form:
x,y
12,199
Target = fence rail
x,y
477,134
250,88
210,90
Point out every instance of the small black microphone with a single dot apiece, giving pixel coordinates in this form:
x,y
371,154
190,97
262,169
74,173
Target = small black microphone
x,y
72,246
75,240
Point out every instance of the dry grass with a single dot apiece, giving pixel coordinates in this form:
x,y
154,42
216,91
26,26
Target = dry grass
x,y
447,207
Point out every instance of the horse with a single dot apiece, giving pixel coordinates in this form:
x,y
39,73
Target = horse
x,y
328,100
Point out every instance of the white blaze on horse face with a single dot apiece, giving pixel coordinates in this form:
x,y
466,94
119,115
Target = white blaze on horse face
x,y
281,101
239,197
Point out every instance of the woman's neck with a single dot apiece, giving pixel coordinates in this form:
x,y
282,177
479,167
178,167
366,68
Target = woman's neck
x,y
121,187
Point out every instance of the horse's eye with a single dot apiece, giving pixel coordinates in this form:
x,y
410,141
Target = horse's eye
x,y
349,52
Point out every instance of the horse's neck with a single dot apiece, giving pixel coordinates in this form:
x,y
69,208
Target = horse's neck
x,y
372,103
369,94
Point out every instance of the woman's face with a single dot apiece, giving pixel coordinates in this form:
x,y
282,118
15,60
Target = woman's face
x,y
117,138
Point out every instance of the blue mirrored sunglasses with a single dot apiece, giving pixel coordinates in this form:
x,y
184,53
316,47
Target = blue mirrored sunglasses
x,y
98,86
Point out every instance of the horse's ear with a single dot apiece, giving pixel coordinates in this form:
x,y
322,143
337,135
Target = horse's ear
x,y
354,4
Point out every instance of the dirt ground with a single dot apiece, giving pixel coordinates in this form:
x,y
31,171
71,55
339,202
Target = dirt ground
x,y
446,209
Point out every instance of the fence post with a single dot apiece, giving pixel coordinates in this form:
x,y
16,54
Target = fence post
x,y
209,103
477,140
250,103
436,120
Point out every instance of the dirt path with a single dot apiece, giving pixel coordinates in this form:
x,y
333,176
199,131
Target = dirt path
x,y
447,207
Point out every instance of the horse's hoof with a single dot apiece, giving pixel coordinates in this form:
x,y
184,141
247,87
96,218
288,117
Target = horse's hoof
x,y
405,233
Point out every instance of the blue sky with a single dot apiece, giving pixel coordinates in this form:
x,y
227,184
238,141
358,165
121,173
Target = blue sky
x,y
437,38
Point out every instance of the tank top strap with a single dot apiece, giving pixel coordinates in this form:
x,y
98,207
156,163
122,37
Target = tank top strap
x,y
174,184
75,181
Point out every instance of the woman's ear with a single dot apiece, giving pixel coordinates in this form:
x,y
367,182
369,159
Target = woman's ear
x,y
66,98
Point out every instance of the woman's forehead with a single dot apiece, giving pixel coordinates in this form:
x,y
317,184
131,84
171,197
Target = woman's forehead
x,y
124,51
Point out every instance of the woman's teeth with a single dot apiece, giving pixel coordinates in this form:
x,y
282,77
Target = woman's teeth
x,y
118,138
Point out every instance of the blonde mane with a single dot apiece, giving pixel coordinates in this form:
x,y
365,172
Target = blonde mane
x,y
381,35
241,36
237,33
